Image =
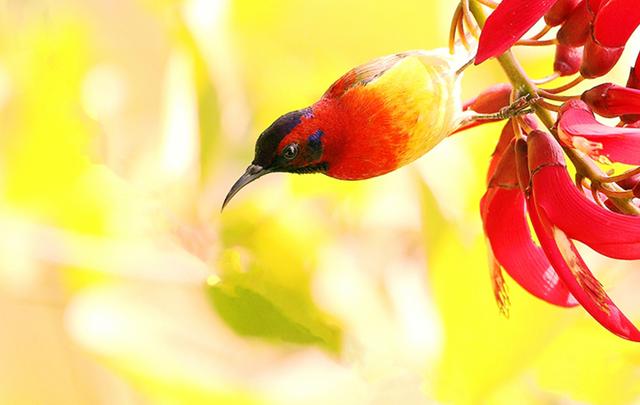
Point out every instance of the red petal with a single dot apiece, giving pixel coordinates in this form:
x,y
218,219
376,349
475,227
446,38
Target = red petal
x,y
577,277
575,30
598,60
505,172
543,150
615,22
504,142
560,11
594,5
490,100
610,100
612,234
508,232
579,129
567,60
507,24
634,75
498,284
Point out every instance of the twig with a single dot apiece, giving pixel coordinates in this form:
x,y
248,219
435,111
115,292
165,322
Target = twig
x,y
566,87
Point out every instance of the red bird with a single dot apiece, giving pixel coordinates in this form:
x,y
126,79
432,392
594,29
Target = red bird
x,y
374,119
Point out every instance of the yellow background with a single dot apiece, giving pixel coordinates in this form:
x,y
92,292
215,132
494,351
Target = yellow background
x,y
122,126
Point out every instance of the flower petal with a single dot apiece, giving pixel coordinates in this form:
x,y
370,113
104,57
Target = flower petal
x,y
507,24
576,275
611,100
575,31
578,128
498,285
567,60
508,232
615,22
612,234
490,100
560,11
594,5
598,60
506,136
634,75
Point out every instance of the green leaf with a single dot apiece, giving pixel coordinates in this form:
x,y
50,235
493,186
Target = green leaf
x,y
266,273
253,304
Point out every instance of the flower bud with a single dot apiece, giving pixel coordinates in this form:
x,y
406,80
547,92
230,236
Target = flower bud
x,y
560,11
598,60
575,30
491,100
543,150
567,60
610,100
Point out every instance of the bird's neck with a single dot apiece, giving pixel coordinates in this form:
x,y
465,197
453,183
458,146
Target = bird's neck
x,y
359,138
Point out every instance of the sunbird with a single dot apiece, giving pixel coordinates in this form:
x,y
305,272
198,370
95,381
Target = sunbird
x,y
376,118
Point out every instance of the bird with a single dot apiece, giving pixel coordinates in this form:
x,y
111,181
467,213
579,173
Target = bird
x,y
376,118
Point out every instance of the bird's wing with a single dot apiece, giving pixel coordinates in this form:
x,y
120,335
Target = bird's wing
x,y
363,74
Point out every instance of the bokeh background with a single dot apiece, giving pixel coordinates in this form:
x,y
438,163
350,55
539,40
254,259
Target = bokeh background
x,y
122,126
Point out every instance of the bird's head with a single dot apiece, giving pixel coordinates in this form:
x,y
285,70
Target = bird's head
x,y
294,143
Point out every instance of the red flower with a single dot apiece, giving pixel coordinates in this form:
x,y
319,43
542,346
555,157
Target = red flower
x,y
567,60
598,60
560,11
504,217
602,27
551,193
490,100
575,30
578,128
528,181
610,100
615,21
634,75
559,212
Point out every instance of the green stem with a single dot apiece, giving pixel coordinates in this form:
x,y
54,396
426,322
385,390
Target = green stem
x,y
523,85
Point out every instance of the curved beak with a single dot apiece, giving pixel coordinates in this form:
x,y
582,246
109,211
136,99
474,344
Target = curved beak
x,y
253,172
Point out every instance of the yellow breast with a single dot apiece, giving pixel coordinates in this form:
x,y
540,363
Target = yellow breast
x,y
422,92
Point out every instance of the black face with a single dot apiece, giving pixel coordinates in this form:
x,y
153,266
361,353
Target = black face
x,y
296,157
270,138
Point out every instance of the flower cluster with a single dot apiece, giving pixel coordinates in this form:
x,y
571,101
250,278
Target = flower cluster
x,y
529,187
591,37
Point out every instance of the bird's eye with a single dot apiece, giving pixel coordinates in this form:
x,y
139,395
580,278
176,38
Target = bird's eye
x,y
290,151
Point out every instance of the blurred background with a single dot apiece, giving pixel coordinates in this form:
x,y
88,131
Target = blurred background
x,y
122,126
